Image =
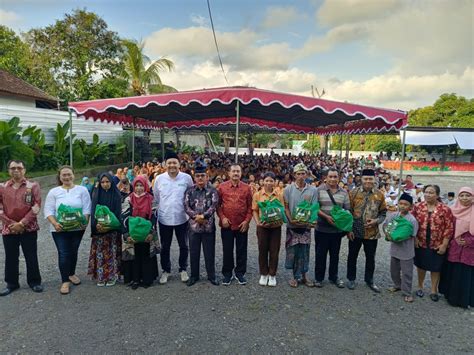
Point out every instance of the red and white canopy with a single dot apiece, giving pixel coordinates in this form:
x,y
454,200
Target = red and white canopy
x,y
260,109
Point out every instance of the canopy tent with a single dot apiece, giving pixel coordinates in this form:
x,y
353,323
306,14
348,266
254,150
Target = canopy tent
x,y
463,137
233,107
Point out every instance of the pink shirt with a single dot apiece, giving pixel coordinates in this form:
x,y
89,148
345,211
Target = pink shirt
x,y
462,254
19,205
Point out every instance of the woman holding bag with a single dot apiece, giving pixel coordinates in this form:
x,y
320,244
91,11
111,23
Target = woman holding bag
x,y
141,268
67,196
106,245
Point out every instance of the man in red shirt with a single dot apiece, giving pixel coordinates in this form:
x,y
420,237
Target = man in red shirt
x,y
20,202
235,213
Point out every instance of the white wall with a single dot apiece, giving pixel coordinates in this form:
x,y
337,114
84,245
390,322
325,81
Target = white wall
x,y
6,100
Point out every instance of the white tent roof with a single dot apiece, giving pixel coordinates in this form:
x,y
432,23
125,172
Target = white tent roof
x,y
465,140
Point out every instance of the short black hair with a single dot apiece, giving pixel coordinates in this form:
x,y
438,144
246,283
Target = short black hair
x,y
18,161
269,174
435,187
451,194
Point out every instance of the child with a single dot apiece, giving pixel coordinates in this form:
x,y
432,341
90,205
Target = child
x,y
403,253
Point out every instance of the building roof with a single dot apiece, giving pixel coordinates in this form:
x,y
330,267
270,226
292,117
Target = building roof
x,y
13,85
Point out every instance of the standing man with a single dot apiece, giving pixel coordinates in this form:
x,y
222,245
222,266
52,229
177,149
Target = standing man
x,y
200,203
369,210
235,214
327,236
20,202
168,192
298,235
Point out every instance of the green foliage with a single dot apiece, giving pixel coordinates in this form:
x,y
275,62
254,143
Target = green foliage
x,y
76,50
14,53
312,145
388,145
61,142
10,139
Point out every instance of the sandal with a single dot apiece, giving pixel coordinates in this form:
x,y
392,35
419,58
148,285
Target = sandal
x,y
75,280
420,293
64,290
394,289
293,283
409,299
434,297
307,282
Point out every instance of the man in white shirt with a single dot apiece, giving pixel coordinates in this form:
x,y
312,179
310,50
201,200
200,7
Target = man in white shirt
x,y
168,192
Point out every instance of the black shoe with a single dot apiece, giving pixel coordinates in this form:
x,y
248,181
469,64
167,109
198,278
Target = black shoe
x,y
374,287
338,283
241,279
351,285
434,297
135,285
214,281
37,288
7,290
227,280
191,281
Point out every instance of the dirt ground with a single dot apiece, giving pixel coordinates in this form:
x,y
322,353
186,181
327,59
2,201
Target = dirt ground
x,y
234,319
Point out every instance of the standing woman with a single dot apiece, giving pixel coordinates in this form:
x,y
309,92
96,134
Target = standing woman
x,y
268,235
106,245
67,242
436,228
141,267
457,280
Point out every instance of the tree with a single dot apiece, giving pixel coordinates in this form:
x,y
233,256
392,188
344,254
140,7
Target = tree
x,y
14,54
144,75
312,144
79,51
11,145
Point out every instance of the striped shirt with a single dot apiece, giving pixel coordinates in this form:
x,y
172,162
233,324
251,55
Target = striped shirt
x,y
342,199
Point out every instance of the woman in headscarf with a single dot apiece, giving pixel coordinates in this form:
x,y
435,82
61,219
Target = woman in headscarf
x,y
457,280
140,267
124,188
87,184
106,246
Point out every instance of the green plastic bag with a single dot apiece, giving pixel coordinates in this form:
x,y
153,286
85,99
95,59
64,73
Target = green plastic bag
x,y
106,218
138,228
399,230
306,212
70,218
272,212
343,219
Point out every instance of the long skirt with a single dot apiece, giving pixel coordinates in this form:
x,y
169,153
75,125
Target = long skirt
x,y
457,284
297,259
105,256
143,269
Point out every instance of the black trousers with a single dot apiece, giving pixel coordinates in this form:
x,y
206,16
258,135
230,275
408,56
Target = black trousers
x,y
370,247
208,242
327,243
143,270
29,246
229,237
166,235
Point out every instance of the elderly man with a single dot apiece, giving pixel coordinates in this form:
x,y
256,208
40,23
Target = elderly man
x,y
327,236
200,203
20,202
369,210
298,235
168,191
235,213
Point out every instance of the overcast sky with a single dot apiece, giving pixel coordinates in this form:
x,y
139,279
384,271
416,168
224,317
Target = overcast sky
x,y
397,54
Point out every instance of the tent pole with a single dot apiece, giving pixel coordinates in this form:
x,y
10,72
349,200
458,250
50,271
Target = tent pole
x,y
401,161
237,109
70,139
348,147
133,143
340,150
162,139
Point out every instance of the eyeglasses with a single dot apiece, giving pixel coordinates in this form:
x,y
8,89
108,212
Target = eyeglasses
x,y
16,168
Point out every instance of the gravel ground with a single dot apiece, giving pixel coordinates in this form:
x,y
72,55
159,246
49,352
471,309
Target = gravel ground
x,y
237,319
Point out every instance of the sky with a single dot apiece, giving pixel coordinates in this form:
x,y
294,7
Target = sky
x,y
399,54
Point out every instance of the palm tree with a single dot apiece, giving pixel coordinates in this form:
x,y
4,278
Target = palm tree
x,y
142,73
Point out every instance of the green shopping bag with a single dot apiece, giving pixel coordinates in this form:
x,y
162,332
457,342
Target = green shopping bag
x,y
305,212
343,219
272,211
138,228
70,218
106,218
398,230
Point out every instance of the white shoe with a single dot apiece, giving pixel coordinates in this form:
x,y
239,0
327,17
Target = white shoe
x,y
263,280
164,278
272,281
184,276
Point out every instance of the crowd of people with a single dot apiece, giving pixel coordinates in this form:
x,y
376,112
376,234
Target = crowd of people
x,y
182,196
